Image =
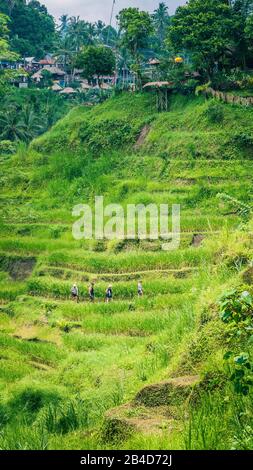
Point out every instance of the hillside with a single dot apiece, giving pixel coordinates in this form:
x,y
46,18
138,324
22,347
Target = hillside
x,y
138,372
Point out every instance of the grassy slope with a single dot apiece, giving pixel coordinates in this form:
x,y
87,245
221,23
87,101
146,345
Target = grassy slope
x,y
63,365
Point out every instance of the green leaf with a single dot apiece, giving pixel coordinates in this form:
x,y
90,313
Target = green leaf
x,y
242,359
227,355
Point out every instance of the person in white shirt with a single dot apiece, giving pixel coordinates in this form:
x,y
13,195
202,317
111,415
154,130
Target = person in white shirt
x,y
140,289
75,293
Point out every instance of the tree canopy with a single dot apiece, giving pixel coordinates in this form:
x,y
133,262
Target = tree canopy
x,y
135,27
204,28
161,21
5,53
96,60
215,33
32,29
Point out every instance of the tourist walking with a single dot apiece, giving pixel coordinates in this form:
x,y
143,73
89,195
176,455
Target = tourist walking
x,y
140,289
108,294
92,292
75,293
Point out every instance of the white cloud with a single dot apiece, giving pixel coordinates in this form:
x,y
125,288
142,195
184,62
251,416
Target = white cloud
x,y
92,10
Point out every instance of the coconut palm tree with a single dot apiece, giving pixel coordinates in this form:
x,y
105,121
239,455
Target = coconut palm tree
x,y
161,21
65,50
91,34
99,26
64,24
79,32
30,122
11,126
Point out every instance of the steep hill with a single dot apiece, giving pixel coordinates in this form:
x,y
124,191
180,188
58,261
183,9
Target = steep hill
x,y
138,372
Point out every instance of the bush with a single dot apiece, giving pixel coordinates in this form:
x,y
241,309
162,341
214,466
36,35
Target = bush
x,y
31,400
246,83
7,147
242,139
223,82
190,86
214,112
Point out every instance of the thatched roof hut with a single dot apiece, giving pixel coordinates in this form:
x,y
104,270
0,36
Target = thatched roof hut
x,y
158,85
56,87
37,76
85,86
54,70
162,89
68,91
154,62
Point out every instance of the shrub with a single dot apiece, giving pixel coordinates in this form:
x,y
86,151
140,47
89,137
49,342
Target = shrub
x,y
242,139
202,88
190,86
214,112
31,400
224,82
7,147
241,368
236,309
236,306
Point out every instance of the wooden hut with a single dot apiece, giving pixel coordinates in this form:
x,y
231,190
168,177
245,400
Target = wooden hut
x,y
162,90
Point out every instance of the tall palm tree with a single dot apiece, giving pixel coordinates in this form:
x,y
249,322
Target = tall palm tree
x,y
32,125
99,26
64,24
161,21
65,50
78,32
91,33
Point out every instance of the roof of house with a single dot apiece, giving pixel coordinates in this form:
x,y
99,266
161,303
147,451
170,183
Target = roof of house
x,y
36,75
68,91
47,62
30,59
85,86
54,70
56,87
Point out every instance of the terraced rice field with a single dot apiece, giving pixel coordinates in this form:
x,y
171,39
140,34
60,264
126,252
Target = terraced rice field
x,y
63,364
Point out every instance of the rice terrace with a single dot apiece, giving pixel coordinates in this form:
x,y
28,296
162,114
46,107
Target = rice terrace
x,y
114,342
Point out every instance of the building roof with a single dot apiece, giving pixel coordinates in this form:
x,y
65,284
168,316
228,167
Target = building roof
x,y
85,86
47,61
56,87
30,59
158,85
68,91
105,77
154,62
54,70
36,76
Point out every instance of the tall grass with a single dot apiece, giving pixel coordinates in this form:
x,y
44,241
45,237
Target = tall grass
x,y
221,421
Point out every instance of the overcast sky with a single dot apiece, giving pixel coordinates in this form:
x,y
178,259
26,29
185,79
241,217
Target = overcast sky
x,y
93,10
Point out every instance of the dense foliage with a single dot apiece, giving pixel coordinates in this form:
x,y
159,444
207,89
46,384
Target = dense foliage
x,y
32,29
65,366
25,114
5,54
96,61
215,33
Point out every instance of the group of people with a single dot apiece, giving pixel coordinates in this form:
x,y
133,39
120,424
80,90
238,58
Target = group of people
x,y
108,292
